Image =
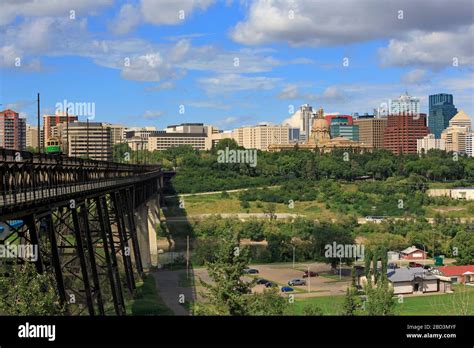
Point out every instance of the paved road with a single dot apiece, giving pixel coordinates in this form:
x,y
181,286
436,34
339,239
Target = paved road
x,y
218,192
167,283
244,216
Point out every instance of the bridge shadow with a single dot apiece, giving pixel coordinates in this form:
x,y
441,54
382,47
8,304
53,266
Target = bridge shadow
x,y
175,276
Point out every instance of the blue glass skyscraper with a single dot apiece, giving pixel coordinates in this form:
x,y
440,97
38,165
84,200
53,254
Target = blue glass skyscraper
x,y
441,110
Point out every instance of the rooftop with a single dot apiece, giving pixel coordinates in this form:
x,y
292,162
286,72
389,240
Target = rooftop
x,y
456,270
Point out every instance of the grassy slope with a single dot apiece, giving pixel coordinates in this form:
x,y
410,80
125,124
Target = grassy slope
x,y
147,301
215,204
446,304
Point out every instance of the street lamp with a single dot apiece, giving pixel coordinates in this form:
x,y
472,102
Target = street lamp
x,y
294,249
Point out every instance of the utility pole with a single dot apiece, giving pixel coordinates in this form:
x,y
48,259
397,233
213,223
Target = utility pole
x,y
39,129
187,256
67,131
87,137
340,268
309,280
294,256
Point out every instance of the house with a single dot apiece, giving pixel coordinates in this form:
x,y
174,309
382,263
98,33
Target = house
x,y
459,274
413,253
417,280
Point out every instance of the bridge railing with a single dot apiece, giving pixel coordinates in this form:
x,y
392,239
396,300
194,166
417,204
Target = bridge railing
x,y
27,177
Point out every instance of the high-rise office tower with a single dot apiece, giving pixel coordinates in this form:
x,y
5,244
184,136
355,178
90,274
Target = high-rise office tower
x,y
50,121
406,104
371,131
402,132
12,130
441,110
306,111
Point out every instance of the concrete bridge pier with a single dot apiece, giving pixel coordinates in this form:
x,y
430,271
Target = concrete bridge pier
x,y
147,218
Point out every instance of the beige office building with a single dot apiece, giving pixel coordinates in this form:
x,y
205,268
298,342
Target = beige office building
x,y
457,134
117,133
162,140
371,131
32,136
261,136
87,140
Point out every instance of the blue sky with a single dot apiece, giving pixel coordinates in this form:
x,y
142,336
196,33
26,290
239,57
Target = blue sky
x,y
289,53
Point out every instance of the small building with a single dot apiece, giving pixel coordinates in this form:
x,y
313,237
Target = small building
x,y
393,256
466,193
413,253
459,274
416,280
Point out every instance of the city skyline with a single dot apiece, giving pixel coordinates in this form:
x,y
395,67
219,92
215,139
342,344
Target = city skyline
x,y
140,67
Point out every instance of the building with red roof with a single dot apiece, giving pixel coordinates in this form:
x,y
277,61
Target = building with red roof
x,y
459,274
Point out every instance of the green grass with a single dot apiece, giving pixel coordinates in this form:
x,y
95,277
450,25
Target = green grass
x,y
146,300
444,304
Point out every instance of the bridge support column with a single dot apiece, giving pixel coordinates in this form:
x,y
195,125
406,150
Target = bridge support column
x,y
142,234
147,218
153,221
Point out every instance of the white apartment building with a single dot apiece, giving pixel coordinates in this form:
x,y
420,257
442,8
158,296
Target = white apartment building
x,y
429,143
261,136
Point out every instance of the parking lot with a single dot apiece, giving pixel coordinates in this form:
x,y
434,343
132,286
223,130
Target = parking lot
x,y
324,285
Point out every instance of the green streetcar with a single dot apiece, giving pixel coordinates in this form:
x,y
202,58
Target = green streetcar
x,y
53,146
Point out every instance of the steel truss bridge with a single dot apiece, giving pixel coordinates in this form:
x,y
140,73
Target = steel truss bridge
x,y
89,220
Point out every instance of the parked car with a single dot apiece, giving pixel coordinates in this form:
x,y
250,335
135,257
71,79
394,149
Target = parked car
x,y
269,285
251,271
262,281
415,265
311,274
294,282
286,289
392,265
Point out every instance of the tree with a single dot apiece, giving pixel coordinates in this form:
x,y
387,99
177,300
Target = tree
x,y
267,303
352,302
270,210
312,310
120,151
26,292
254,230
464,244
380,298
228,293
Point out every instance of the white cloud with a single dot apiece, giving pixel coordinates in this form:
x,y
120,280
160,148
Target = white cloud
x,y
435,49
151,114
161,87
327,22
415,76
45,8
208,105
228,83
289,92
424,33
330,95
156,12
128,18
